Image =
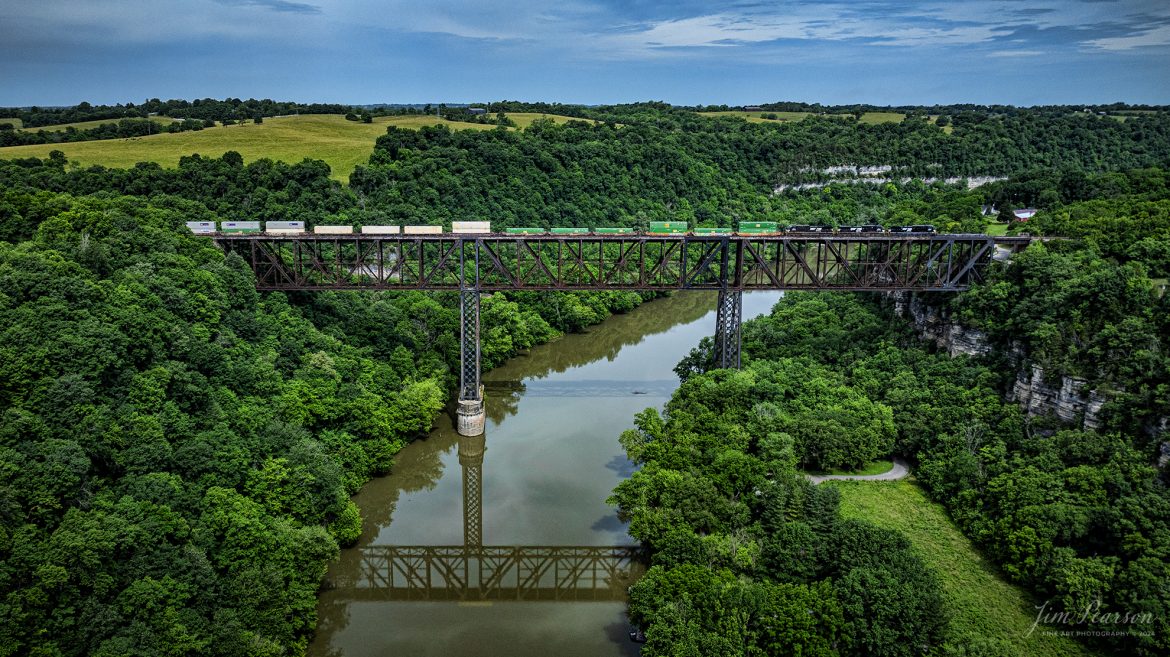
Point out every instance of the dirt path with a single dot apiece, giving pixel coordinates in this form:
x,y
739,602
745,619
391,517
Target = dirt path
x,y
899,471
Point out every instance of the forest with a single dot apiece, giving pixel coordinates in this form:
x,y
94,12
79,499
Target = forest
x,y
1079,517
179,450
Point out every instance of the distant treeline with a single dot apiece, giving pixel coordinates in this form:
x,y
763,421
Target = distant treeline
x,y
115,130
1112,108
206,109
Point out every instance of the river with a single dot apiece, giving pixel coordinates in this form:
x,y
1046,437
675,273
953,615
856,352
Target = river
x,y
503,545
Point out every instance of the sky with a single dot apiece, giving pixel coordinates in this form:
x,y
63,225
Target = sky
x,y
1019,52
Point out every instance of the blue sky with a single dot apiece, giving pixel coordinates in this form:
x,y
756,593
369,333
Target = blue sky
x,y
1022,52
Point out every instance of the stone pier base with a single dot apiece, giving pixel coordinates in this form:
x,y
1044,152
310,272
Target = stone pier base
x,y
470,417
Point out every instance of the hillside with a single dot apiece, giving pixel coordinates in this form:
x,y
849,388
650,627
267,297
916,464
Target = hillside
x,y
329,137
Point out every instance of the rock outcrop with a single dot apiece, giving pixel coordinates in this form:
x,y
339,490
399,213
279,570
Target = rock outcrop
x,y
1071,400
934,324
1068,398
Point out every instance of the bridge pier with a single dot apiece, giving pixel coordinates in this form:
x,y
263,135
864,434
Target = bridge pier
x,y
470,417
728,323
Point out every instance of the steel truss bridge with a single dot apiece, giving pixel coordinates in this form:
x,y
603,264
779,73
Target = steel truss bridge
x,y
728,264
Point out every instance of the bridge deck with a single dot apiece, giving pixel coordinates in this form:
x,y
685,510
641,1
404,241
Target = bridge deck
x,y
853,262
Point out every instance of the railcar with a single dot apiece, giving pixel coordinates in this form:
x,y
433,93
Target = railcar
x,y
239,227
758,228
668,228
381,230
477,227
201,227
284,227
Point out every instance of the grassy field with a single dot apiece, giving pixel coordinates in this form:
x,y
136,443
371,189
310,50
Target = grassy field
x,y
983,606
874,118
997,229
16,123
757,117
525,119
83,125
341,144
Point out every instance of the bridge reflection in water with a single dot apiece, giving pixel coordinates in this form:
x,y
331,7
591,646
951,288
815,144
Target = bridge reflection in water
x,y
475,572
521,573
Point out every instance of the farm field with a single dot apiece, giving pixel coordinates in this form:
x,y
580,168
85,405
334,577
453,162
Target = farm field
x,y
982,605
84,125
757,117
16,123
342,144
871,118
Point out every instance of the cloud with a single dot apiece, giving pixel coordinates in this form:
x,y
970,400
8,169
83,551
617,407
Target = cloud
x,y
1017,53
275,5
1158,36
826,23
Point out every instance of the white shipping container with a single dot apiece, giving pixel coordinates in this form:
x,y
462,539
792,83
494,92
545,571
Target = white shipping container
x,y
381,230
471,227
422,230
332,230
201,227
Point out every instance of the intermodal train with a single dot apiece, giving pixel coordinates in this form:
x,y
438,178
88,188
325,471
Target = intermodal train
x,y
656,228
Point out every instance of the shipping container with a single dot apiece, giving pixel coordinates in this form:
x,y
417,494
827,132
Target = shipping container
x,y
471,227
613,231
201,227
333,230
570,231
757,226
240,227
525,231
422,230
667,228
707,230
381,230
284,227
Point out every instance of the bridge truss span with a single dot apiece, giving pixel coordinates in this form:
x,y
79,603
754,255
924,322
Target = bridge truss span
x,y
880,262
728,264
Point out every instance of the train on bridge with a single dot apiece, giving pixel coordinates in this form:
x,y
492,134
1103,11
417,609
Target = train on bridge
x,y
655,228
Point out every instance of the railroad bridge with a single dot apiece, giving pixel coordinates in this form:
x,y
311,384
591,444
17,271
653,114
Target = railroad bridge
x,y
729,264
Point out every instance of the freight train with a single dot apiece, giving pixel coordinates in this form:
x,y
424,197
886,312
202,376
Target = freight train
x,y
655,228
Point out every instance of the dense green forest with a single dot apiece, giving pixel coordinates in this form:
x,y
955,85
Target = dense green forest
x,y
1079,517
179,450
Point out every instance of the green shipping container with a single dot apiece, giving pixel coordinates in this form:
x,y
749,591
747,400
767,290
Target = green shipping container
x,y
613,231
757,226
668,227
525,231
570,231
712,231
